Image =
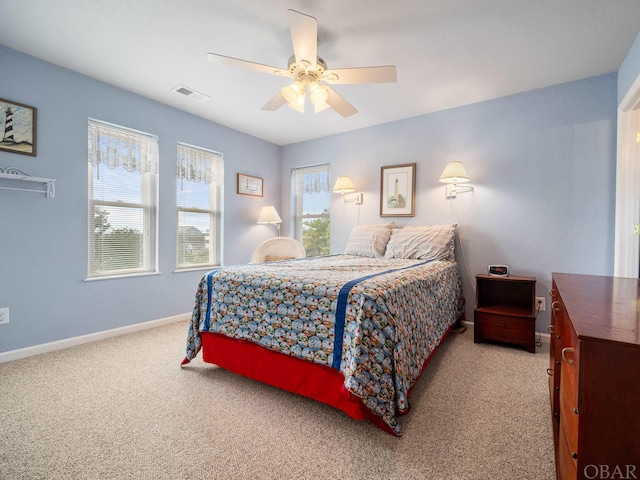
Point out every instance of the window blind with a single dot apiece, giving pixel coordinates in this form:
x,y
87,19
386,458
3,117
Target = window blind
x,y
311,208
122,201
199,202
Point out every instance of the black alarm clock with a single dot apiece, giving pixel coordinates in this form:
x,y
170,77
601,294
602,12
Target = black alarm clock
x,y
499,270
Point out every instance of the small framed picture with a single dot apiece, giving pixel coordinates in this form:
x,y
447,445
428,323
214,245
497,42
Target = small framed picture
x,y
248,185
398,190
20,123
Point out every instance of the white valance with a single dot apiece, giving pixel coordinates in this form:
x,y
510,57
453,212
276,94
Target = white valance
x,y
199,165
120,147
313,179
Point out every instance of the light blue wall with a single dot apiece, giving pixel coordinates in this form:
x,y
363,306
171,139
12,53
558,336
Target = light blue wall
x,y
629,70
43,242
542,164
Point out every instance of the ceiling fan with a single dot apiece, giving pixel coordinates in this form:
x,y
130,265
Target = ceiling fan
x,y
310,72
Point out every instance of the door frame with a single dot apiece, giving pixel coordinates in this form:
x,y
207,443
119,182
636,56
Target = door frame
x,y
627,241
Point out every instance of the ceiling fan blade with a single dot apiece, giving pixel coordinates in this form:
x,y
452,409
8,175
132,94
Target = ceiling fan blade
x,y
236,62
304,36
339,104
384,74
275,103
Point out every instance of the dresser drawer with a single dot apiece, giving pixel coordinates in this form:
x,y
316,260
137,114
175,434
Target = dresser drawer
x,y
569,418
566,462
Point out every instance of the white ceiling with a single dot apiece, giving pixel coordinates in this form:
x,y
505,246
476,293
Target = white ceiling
x,y
447,52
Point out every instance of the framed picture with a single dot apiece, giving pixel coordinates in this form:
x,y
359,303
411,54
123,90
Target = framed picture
x,y
248,185
398,190
19,127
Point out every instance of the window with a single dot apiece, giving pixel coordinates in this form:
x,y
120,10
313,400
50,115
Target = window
x,y
123,183
310,187
199,201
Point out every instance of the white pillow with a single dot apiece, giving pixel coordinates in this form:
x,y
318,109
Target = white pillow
x,y
369,240
428,242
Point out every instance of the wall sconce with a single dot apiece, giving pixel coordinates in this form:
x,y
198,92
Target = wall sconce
x,y
454,174
269,215
345,185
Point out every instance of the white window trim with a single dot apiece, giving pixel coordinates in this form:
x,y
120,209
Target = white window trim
x,y
149,185
216,215
296,202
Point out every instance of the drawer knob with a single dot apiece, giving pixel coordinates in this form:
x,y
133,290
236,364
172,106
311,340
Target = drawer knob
x,y
574,455
550,328
568,351
550,372
554,306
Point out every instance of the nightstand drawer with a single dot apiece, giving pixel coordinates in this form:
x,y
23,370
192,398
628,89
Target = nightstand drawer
x,y
503,328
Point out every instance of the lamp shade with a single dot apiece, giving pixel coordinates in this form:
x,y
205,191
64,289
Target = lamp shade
x,y
343,185
455,173
268,214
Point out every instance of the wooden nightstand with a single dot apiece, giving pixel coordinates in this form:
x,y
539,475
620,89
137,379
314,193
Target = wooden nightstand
x,y
505,310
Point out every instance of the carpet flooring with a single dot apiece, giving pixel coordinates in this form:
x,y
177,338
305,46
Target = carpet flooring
x,y
122,408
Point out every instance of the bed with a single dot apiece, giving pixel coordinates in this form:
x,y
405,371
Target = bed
x,y
353,330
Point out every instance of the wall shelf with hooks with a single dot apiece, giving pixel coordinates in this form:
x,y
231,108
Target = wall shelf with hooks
x,y
15,175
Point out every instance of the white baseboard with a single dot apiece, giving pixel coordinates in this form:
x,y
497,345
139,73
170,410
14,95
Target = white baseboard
x,y
544,337
92,337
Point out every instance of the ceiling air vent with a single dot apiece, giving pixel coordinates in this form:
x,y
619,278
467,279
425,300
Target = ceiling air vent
x,y
190,93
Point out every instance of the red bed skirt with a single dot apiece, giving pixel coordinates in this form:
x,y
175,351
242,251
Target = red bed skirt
x,y
296,375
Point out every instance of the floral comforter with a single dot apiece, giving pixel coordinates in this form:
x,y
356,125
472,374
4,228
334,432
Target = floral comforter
x,y
376,320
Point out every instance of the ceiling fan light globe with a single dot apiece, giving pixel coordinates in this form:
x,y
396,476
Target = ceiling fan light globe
x,y
294,100
319,94
319,107
301,97
293,92
297,86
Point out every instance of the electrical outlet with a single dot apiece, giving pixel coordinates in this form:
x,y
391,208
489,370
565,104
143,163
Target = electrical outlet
x,y
4,315
540,305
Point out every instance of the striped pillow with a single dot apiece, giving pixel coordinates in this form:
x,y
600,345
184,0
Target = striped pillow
x,y
428,242
369,240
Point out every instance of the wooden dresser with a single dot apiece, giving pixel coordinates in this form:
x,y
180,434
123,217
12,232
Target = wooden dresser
x,y
594,376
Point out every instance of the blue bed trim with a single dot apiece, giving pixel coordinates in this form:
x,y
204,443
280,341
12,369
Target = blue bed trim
x,y
341,311
207,317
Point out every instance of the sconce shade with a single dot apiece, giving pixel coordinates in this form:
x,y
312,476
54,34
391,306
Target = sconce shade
x,y
343,185
268,214
454,173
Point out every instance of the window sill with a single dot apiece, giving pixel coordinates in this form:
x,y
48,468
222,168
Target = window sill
x,y
127,275
206,268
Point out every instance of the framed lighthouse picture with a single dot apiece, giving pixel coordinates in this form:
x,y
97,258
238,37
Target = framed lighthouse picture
x,y
398,190
19,128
